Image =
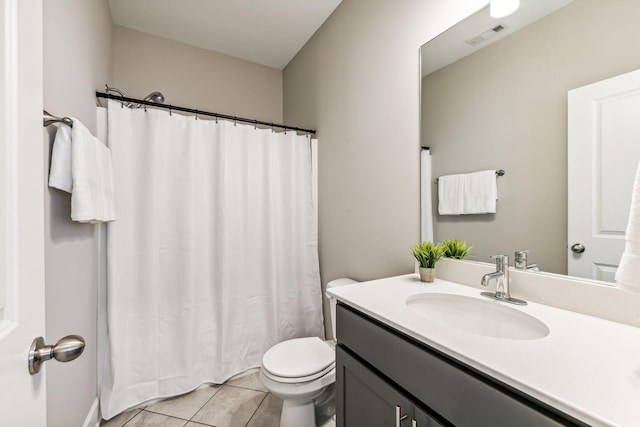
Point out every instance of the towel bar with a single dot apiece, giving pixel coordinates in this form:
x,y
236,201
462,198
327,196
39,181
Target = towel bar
x,y
499,172
48,119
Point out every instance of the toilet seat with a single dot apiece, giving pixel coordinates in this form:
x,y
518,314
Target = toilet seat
x,y
298,360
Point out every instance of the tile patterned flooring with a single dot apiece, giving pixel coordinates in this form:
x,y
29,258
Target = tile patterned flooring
x,y
240,402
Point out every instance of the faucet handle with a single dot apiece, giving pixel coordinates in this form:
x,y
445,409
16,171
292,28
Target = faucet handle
x,y
501,261
520,261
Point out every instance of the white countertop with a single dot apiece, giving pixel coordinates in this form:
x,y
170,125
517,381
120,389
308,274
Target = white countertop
x,y
586,367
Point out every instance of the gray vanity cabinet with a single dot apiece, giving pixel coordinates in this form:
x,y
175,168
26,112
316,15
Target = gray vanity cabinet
x,y
379,368
365,399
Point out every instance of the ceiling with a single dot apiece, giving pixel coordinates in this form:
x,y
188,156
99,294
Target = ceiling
x,y
452,45
267,32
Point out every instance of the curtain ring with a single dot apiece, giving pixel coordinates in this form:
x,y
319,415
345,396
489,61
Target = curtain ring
x,y
234,120
145,108
196,115
170,110
216,119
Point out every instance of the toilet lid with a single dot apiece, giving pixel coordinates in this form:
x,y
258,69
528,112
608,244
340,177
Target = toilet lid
x,y
299,357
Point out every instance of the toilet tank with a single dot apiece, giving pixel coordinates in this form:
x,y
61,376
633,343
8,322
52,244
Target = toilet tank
x,y
332,301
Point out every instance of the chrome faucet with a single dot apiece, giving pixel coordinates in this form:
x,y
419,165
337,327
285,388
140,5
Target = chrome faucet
x,y
520,262
501,276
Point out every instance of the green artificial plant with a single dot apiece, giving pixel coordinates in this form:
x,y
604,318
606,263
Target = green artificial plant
x,y
428,253
456,249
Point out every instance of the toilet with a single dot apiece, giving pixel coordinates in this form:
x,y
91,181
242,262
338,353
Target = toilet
x,y
302,372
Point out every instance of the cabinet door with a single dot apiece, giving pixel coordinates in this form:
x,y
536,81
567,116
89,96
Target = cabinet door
x,y
365,399
422,419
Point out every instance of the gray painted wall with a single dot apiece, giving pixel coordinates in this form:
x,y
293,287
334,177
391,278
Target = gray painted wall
x,y
505,107
357,82
77,61
188,76
194,77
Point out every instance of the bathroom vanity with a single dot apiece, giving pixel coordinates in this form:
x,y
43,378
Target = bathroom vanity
x,y
396,367
379,368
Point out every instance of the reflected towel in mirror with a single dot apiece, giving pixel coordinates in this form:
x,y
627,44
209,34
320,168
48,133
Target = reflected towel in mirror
x,y
628,273
471,193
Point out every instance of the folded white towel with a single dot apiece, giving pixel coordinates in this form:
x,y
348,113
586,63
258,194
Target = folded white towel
x,y
81,158
60,172
628,272
480,192
450,194
472,193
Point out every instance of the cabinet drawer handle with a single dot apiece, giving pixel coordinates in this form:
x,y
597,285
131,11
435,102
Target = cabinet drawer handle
x,y
398,417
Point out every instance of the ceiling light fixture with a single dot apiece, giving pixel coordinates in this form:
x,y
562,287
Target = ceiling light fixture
x,y
502,8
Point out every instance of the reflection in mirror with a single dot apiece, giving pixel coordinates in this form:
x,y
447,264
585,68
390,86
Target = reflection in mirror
x,y
504,106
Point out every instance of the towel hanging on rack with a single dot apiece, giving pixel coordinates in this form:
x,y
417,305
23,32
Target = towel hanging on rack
x,y
472,193
81,165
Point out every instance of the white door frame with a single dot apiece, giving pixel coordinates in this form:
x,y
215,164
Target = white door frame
x,y
22,396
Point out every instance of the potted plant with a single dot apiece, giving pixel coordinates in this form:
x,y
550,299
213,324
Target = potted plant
x,y
456,249
428,254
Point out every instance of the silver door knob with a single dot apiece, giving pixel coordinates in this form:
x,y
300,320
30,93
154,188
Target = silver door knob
x,y
577,248
65,350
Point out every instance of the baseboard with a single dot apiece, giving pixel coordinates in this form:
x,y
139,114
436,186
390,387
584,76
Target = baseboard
x,y
93,417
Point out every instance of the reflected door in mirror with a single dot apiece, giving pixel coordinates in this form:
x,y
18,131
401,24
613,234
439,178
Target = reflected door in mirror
x,y
603,149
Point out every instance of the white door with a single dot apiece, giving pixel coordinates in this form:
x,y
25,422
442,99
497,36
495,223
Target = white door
x,y
604,151
22,396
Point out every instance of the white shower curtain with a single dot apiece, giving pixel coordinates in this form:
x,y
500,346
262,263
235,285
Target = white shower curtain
x,y
426,212
214,255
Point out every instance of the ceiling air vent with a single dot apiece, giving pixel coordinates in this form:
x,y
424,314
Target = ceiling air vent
x,y
486,35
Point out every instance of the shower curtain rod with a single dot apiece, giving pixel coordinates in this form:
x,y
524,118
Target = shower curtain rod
x,y
202,113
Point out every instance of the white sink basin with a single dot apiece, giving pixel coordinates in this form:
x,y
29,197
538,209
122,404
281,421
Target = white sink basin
x,y
482,317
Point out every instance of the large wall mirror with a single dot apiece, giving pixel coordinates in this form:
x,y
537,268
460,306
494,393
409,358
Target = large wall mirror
x,y
502,104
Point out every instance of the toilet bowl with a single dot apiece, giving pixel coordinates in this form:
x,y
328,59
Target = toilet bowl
x,y
302,372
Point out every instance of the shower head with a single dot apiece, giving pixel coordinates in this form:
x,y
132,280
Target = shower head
x,y
155,97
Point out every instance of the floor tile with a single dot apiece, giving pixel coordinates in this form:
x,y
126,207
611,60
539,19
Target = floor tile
x,y
151,419
230,407
186,405
268,413
121,419
250,380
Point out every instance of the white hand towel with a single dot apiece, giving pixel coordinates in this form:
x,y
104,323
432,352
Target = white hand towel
x,y
628,273
450,194
480,192
472,193
89,161
60,172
